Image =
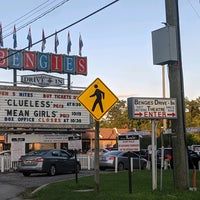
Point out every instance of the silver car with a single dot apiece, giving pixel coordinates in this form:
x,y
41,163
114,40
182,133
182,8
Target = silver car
x,y
50,161
107,161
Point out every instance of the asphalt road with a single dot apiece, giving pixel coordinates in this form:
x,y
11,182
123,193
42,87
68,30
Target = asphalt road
x,y
13,184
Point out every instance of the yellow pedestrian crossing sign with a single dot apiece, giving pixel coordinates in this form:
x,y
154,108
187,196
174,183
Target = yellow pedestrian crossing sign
x,y
97,99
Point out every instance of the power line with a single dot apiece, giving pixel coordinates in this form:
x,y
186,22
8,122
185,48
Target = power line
x,y
76,22
194,9
36,18
14,21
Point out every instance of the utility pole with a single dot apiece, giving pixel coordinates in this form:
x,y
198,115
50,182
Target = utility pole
x,y
181,178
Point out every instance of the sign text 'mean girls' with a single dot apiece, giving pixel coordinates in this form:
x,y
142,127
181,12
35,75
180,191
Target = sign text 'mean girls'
x,y
37,61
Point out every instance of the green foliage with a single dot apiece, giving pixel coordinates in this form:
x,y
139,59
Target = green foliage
x,y
118,117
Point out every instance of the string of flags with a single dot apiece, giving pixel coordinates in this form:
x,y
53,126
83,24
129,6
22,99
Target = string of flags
x,y
43,45
14,37
43,41
29,38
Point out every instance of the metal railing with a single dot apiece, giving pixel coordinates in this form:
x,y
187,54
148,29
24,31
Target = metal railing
x,y
6,164
87,162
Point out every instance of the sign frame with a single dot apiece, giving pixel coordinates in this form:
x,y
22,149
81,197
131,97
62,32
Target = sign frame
x,y
129,142
107,100
54,108
42,80
152,108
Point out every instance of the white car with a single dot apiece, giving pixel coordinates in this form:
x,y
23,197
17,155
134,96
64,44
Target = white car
x,y
90,152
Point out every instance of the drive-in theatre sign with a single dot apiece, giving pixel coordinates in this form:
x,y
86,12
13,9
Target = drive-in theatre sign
x,y
41,108
152,108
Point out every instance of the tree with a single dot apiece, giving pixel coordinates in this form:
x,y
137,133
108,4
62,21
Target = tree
x,y
118,117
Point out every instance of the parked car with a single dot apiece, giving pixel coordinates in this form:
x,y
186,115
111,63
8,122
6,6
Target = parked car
x,y
193,158
108,160
50,161
168,155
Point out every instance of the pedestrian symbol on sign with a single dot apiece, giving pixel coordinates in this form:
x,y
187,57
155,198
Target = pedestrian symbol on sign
x,y
99,97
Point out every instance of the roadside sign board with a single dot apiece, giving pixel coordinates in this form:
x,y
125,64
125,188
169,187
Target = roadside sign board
x,y
128,142
42,80
152,108
32,107
74,143
97,99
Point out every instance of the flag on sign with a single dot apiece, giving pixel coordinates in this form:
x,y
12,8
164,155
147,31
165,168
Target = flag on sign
x,y
14,37
56,43
43,40
1,36
29,38
80,45
69,44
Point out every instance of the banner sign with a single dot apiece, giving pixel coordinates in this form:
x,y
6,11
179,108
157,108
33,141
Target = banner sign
x,y
39,138
46,62
75,143
41,108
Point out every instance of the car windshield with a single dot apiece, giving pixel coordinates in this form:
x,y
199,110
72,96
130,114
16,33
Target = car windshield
x,y
39,153
113,153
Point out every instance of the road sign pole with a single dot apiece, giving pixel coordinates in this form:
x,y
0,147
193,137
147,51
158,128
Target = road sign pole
x,y
153,157
96,157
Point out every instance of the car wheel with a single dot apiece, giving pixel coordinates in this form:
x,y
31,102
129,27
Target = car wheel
x,y
120,166
144,166
52,170
26,173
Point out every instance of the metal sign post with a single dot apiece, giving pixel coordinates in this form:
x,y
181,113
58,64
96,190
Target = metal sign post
x,y
129,142
96,157
152,108
153,157
98,99
75,143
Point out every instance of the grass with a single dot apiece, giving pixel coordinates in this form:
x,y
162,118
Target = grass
x,y
115,186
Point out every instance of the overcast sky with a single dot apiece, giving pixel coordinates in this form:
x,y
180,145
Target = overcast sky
x,y
117,41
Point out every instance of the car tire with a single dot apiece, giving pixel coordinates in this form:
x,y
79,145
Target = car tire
x,y
144,166
26,173
120,166
52,170
102,168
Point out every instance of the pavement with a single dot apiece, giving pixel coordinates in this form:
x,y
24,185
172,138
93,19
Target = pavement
x,y
10,192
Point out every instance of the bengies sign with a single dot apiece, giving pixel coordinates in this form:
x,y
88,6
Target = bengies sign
x,y
37,61
41,108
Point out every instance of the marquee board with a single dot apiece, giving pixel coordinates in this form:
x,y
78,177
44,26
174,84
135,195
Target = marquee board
x,y
41,108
